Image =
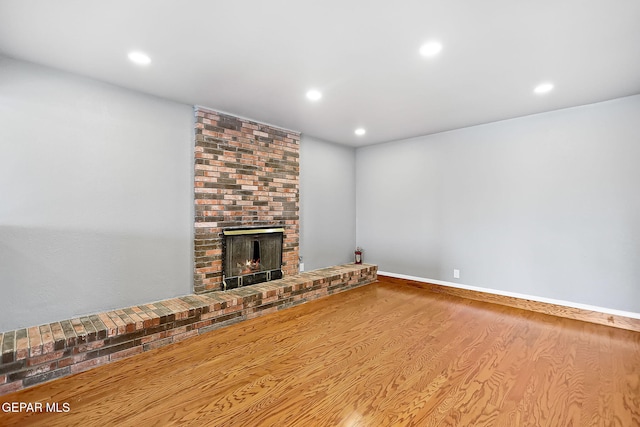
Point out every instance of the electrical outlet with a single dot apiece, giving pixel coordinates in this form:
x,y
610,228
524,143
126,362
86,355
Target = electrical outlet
x,y
456,273
301,267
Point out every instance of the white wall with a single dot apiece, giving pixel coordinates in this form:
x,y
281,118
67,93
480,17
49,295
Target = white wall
x,y
327,203
545,205
95,196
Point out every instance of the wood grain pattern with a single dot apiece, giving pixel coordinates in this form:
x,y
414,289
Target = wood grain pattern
x,y
381,355
599,318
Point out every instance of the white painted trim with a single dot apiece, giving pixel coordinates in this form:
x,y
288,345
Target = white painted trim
x,y
629,314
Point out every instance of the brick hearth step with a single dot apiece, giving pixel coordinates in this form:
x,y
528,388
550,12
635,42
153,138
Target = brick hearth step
x,y
41,353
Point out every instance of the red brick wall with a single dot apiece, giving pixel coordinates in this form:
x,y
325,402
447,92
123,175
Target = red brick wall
x,y
246,174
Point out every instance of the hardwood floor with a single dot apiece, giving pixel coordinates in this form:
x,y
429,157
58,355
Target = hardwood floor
x,y
382,354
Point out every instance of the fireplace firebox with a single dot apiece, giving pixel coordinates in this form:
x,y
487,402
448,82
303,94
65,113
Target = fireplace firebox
x,y
251,255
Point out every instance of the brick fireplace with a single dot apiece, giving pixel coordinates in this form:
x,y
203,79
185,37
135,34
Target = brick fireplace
x,y
246,178
246,175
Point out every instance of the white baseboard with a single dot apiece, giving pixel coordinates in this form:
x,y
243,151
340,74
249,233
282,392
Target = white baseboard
x,y
604,310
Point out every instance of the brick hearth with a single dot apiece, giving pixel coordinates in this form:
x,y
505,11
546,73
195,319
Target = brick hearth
x,y
41,353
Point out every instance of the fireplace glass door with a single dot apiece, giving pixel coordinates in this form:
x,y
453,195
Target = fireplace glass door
x,y
251,256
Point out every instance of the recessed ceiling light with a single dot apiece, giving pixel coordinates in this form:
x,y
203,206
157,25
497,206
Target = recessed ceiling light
x,y
139,58
314,95
543,88
360,131
430,49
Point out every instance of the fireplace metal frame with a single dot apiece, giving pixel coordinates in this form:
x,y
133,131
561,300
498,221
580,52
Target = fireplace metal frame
x,y
237,281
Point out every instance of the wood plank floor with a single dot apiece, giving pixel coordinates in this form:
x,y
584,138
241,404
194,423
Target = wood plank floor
x,y
383,354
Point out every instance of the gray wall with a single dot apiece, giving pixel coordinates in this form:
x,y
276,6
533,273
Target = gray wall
x,y
95,196
327,203
96,201
545,205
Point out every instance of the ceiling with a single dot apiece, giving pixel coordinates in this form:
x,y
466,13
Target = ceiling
x,y
258,58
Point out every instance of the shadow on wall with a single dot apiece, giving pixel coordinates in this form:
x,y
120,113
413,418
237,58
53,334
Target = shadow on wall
x,y
52,274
